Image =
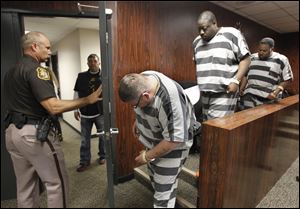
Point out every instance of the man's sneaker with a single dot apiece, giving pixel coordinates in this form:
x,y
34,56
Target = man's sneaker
x,y
101,161
82,167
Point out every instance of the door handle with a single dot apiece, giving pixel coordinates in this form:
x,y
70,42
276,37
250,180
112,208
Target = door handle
x,y
114,131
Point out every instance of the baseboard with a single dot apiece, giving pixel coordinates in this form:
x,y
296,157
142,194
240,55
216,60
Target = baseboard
x,y
123,179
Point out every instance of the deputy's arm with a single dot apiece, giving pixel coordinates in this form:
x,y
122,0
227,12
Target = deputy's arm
x,y
56,106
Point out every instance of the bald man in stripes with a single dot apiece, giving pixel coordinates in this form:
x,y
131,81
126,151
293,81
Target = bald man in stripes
x,y
222,59
269,74
164,125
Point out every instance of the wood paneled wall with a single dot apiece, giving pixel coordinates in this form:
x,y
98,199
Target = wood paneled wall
x,y
288,44
244,155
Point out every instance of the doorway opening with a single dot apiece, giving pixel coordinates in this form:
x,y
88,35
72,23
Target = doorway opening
x,y
72,40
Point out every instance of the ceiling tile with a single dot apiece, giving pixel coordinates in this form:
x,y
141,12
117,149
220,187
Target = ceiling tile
x,y
284,4
242,4
286,19
292,10
261,8
270,15
219,2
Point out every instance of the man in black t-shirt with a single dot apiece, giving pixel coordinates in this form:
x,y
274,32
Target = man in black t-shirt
x,y
86,83
30,97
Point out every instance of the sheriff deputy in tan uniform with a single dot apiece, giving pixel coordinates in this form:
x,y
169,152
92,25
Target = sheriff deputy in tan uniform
x,y
31,99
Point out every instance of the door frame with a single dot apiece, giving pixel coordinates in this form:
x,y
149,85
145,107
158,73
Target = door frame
x,y
109,118
108,99
10,44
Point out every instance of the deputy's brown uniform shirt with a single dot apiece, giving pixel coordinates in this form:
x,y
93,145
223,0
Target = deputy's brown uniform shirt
x,y
25,86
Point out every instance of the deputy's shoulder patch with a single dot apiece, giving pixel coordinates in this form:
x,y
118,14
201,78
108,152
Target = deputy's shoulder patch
x,y
43,73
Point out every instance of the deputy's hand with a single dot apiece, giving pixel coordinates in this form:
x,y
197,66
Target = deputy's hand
x,y
77,115
94,97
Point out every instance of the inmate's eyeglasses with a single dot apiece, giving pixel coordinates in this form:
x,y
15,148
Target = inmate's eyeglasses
x,y
139,100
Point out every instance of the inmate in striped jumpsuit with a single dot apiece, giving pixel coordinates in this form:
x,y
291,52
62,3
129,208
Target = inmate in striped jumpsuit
x,y
169,117
263,78
217,62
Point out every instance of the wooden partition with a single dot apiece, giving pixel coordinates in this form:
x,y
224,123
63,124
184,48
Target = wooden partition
x,y
158,36
243,155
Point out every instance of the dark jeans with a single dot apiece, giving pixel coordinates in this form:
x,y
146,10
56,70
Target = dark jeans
x,y
85,148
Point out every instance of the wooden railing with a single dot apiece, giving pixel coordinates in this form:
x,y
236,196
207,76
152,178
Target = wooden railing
x,y
243,155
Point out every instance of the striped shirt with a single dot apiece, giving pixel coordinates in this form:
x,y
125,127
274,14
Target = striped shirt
x,y
217,61
265,75
170,116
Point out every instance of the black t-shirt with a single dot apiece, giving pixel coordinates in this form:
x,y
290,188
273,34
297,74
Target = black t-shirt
x,y
87,83
26,85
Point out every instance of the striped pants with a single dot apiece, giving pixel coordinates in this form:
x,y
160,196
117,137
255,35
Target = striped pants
x,y
163,174
217,105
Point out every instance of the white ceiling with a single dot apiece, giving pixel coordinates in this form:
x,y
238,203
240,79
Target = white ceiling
x,y
280,16
57,27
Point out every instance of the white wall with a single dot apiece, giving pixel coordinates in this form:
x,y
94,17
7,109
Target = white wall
x,y
89,44
72,52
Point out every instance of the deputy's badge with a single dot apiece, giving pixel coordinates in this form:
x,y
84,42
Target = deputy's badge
x,y
43,73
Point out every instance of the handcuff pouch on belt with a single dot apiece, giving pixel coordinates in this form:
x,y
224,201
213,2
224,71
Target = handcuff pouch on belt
x,y
45,125
43,129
